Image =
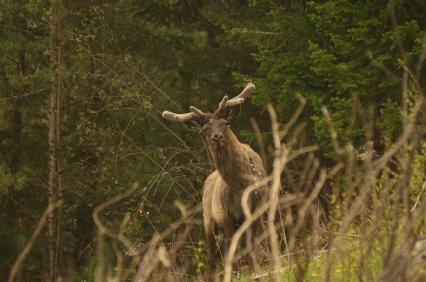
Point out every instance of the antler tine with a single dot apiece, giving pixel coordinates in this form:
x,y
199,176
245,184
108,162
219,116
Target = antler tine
x,y
196,111
235,102
246,92
222,103
178,117
239,99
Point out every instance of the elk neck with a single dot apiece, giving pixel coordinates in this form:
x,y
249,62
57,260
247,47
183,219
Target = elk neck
x,y
233,160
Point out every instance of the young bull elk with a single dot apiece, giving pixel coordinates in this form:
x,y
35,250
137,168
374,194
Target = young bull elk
x,y
237,166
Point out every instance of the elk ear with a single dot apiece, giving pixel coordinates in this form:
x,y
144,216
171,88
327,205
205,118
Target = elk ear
x,y
233,112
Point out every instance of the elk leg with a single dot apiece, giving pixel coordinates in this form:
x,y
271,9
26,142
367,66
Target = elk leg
x,y
211,248
252,251
249,239
228,232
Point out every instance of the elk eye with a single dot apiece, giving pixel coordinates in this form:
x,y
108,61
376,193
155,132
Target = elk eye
x,y
206,126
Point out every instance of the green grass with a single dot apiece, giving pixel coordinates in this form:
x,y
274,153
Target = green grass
x,y
345,268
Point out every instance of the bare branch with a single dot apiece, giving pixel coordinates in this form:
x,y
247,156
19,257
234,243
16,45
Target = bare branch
x,y
40,225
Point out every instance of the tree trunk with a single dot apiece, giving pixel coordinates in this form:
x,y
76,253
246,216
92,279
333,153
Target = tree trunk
x,y
55,188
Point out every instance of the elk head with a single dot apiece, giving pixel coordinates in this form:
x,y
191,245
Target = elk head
x,y
215,125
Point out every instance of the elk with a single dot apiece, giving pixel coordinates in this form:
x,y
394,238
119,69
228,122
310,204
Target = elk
x,y
237,166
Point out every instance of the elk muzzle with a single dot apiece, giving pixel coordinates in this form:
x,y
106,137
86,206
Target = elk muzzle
x,y
217,138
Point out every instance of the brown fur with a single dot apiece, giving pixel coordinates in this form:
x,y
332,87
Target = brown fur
x,y
237,166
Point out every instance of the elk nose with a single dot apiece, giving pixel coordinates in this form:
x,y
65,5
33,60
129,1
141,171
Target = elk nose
x,y
217,137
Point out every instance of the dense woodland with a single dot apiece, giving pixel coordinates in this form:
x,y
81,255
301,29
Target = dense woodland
x,y
83,85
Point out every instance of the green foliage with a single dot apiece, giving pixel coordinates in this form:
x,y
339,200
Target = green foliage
x,y
390,122
324,50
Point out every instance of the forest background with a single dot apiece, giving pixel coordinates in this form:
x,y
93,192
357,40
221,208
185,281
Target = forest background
x,y
107,69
